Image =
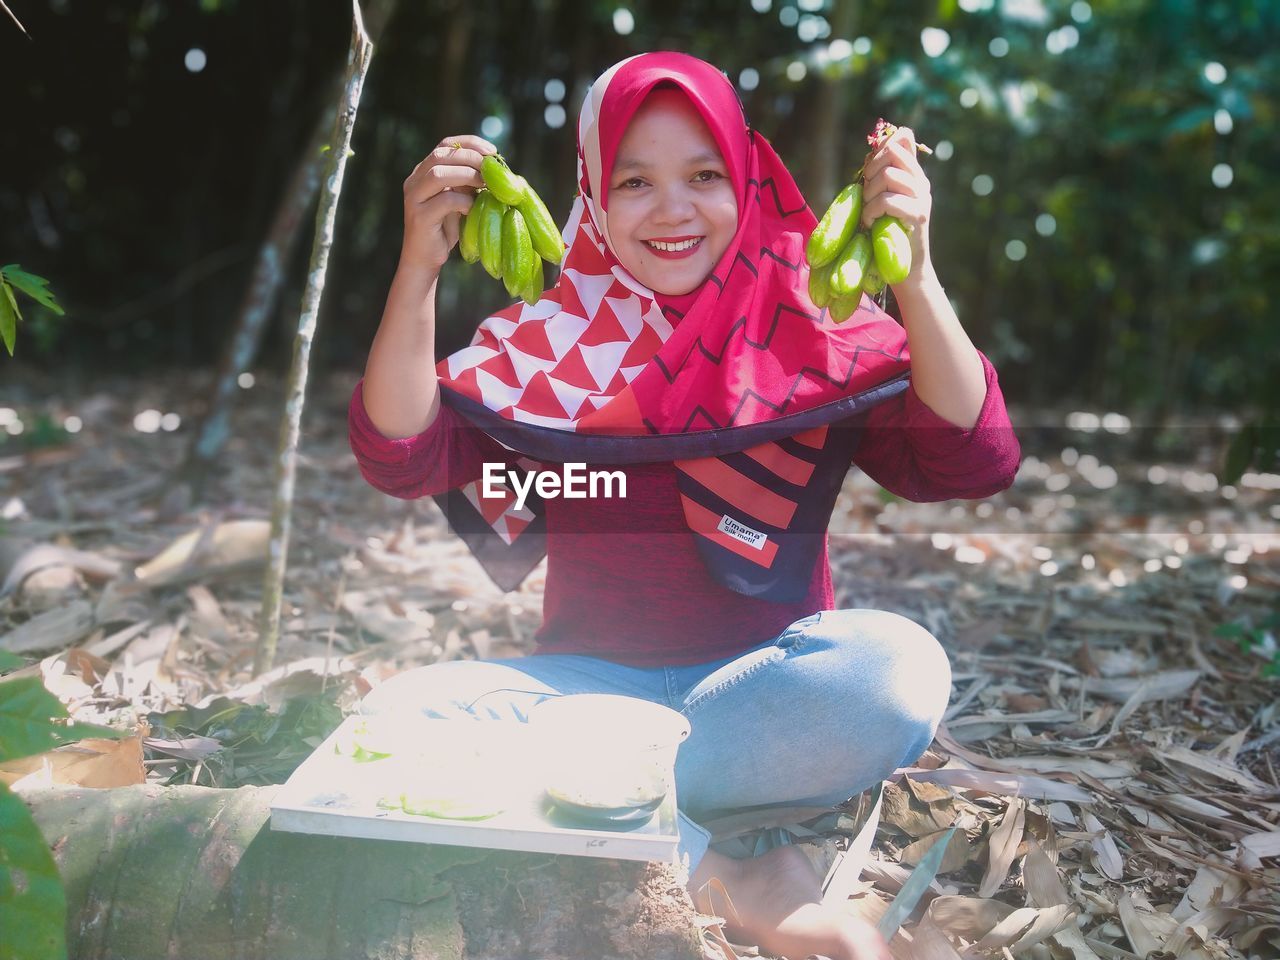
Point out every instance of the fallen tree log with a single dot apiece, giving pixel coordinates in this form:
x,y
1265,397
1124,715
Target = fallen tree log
x,y
154,872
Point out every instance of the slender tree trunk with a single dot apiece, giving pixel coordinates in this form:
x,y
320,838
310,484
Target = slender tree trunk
x,y
295,392
264,288
153,873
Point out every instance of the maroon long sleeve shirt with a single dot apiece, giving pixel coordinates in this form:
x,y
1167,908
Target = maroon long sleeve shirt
x,y
624,579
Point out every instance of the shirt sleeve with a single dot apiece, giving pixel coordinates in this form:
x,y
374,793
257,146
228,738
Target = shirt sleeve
x,y
919,456
448,454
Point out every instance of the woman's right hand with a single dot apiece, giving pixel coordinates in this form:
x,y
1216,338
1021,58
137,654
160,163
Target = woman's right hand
x,y
437,195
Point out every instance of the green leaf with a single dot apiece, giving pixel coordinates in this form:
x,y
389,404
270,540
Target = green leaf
x,y
10,661
1229,630
27,715
32,899
27,710
9,317
37,288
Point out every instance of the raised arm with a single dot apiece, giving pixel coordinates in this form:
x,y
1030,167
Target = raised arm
x,y
401,392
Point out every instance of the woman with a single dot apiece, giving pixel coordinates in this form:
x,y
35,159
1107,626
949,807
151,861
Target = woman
x,y
680,346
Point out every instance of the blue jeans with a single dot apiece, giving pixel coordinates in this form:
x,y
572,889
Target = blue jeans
x,y
828,708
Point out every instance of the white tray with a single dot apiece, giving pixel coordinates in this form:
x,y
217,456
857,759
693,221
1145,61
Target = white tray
x,y
332,794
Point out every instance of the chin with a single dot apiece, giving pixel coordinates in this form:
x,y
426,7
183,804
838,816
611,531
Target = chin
x,y
678,289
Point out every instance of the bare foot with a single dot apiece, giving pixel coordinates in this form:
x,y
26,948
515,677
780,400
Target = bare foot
x,y
775,902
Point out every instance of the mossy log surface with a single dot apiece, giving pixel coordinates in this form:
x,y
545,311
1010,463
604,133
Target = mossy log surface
x,y
155,873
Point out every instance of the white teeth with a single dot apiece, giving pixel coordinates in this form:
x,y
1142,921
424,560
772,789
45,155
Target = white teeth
x,y
673,247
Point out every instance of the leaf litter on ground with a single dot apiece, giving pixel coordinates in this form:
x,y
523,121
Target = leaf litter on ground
x,y
1107,762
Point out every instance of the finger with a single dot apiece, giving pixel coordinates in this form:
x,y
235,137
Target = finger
x,y
453,156
896,153
445,204
892,183
425,183
912,211
451,224
470,142
904,156
905,136
894,180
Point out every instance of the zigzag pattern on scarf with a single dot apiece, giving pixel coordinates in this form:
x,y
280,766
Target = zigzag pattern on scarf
x,y
777,200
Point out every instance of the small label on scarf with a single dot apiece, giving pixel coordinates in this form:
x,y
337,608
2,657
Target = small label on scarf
x,y
752,538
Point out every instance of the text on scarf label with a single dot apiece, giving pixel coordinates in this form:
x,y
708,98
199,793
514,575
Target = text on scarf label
x,y
740,531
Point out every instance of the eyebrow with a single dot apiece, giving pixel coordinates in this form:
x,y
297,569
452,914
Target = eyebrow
x,y
630,163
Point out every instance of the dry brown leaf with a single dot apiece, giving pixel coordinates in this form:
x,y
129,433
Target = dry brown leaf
x,y
1214,767
1262,844
1210,887
928,793
970,918
1106,855
55,629
1073,940
903,810
231,545
1164,685
1040,878
1003,784
929,943
1026,927
376,613
1198,929
207,618
1002,847
86,763
18,561
957,854
1099,769
1136,928
113,642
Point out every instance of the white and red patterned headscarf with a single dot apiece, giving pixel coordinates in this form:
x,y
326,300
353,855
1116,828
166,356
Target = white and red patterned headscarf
x,y
735,382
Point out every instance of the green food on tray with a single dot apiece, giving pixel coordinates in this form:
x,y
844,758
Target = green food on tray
x,y
443,806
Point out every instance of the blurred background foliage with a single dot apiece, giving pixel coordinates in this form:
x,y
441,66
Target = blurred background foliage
x,y
1106,216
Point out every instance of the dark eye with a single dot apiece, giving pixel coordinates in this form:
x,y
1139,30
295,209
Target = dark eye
x,y
628,183
714,175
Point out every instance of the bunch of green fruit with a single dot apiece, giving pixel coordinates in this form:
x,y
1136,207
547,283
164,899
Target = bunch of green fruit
x,y
510,231
845,259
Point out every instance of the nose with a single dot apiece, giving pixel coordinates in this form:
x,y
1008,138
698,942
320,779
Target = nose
x,y
675,205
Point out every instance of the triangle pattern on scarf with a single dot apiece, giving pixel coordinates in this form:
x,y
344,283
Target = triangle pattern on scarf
x,y
603,361
497,390
570,397
643,348
527,366
605,328
573,369
530,338
564,331
591,289
501,369
627,310
540,398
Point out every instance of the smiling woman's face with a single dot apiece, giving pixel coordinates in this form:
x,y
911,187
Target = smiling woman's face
x,y
670,188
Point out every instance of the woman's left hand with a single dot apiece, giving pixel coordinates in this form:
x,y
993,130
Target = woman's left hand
x,y
894,183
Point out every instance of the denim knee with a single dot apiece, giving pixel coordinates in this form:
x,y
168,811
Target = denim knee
x,y
915,673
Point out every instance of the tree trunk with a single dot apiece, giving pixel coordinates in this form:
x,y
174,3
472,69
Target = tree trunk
x,y
157,872
296,388
263,292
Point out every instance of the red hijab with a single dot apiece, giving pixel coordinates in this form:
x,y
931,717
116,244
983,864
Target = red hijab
x,y
603,370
